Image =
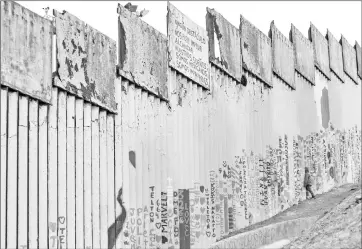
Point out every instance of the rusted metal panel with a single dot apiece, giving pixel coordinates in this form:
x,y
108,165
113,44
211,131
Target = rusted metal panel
x,y
349,59
256,51
283,56
229,44
26,51
86,61
320,46
187,47
359,55
335,56
304,55
142,53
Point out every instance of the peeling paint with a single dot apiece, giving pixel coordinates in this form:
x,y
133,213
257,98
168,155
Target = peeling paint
x,y
142,54
122,45
86,61
229,44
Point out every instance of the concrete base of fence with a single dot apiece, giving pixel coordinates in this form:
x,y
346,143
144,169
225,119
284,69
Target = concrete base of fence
x,y
268,234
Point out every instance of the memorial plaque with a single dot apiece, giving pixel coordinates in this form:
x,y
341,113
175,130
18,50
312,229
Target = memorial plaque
x,y
142,55
320,46
228,37
86,61
349,59
187,47
304,55
283,56
359,54
335,56
26,51
256,51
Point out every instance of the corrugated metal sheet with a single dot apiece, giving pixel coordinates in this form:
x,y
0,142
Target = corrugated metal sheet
x,y
359,59
86,61
320,45
26,51
349,59
240,133
142,53
183,172
335,56
303,54
283,56
256,50
228,38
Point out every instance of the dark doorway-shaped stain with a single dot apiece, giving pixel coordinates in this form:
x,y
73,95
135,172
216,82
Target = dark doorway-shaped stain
x,y
325,108
132,158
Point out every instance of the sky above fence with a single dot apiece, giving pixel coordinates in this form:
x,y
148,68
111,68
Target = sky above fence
x,y
340,17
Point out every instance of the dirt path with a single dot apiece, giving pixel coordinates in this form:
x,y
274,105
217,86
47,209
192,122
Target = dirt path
x,y
340,228
319,206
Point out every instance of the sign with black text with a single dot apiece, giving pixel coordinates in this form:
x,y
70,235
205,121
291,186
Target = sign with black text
x,y
187,47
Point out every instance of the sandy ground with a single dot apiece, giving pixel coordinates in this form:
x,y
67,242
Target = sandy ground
x,y
312,207
339,228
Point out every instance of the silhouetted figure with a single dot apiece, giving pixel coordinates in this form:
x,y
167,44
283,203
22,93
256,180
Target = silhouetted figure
x,y
115,229
308,183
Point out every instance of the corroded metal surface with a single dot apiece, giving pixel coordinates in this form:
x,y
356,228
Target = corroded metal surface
x,y
86,61
187,47
359,54
335,56
26,51
229,44
320,45
304,55
142,53
349,59
283,56
256,51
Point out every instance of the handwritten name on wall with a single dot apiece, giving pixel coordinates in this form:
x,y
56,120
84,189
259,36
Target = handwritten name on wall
x,y
237,194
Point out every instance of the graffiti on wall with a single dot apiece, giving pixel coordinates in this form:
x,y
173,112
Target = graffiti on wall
x,y
240,193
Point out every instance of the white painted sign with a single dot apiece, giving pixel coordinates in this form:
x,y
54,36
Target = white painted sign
x,y
187,47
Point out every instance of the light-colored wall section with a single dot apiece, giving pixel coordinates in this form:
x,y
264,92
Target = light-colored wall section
x,y
3,175
245,142
344,103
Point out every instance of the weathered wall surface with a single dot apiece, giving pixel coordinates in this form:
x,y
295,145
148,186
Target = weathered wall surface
x,y
256,51
335,56
86,60
228,37
26,43
303,54
283,56
142,53
180,171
